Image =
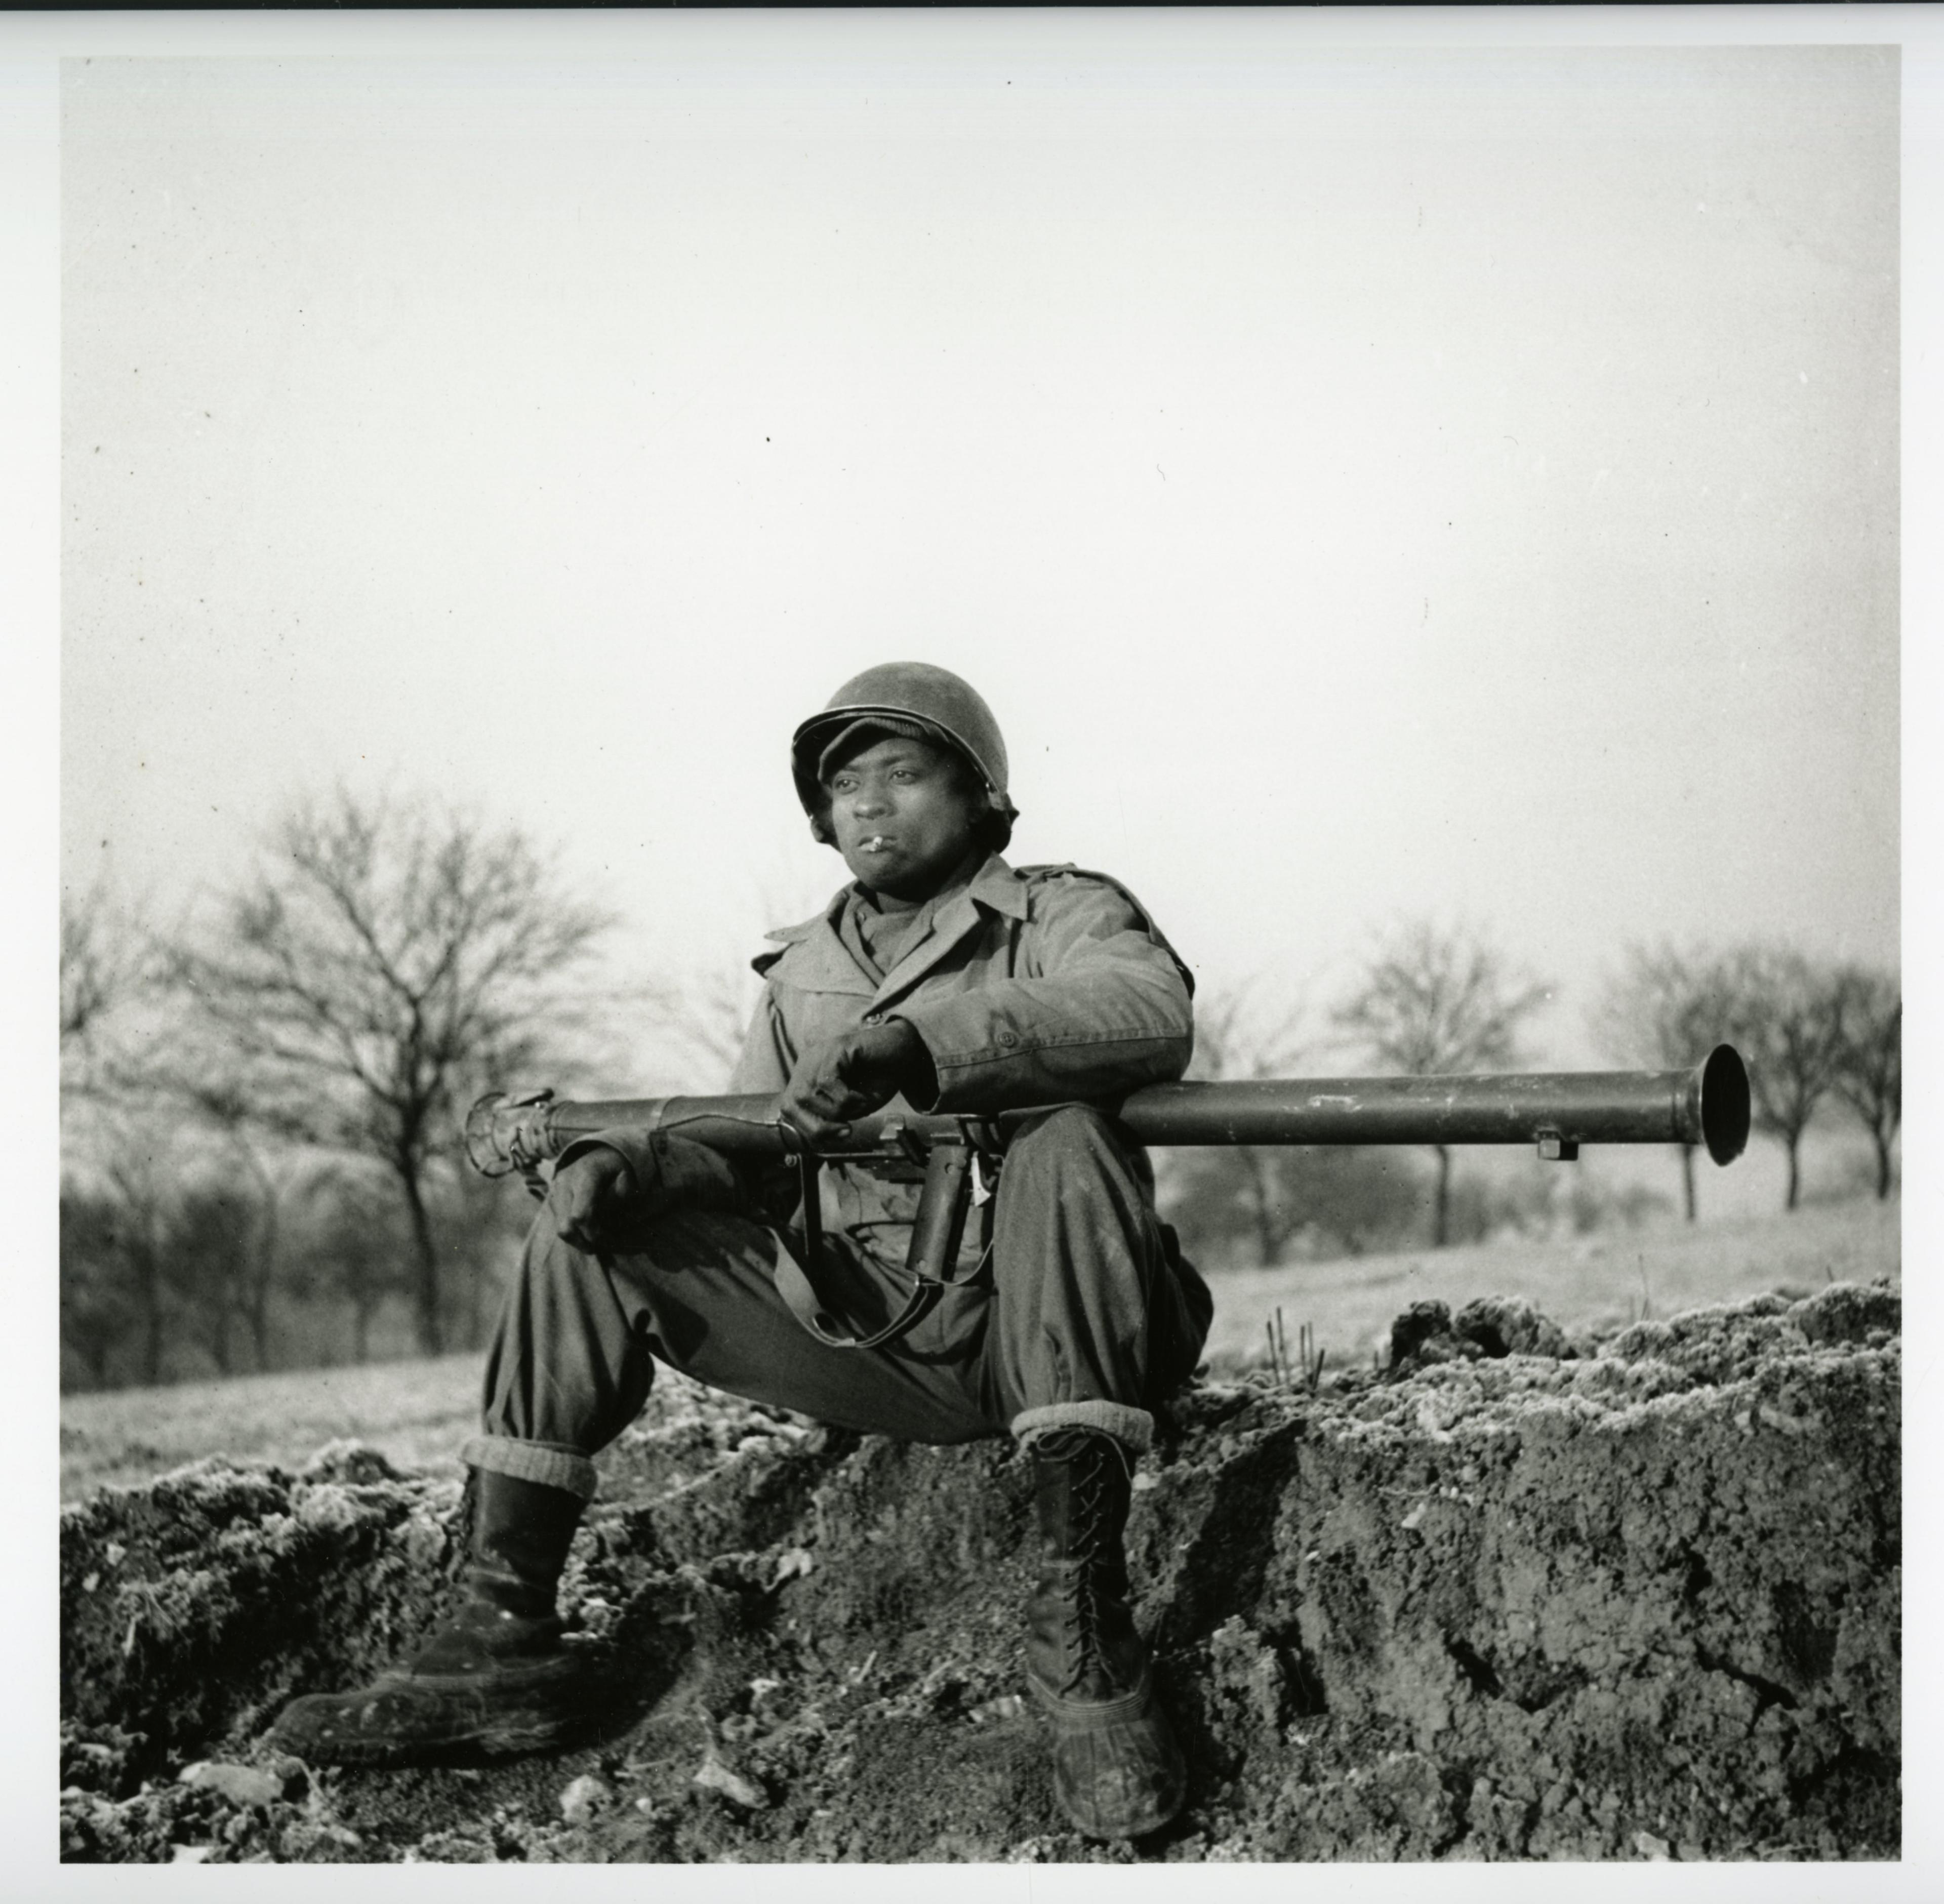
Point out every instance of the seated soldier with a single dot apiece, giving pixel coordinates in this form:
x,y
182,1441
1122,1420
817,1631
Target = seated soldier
x,y
941,980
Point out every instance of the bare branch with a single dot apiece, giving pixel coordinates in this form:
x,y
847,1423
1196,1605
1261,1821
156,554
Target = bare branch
x,y
1433,999
1869,1073
1242,1031
107,962
1784,1014
694,1026
1664,1008
379,961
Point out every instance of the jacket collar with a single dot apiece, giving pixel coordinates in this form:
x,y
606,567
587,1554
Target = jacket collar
x,y
819,962
996,885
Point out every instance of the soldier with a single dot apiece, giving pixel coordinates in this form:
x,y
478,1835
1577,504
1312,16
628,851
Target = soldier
x,y
943,980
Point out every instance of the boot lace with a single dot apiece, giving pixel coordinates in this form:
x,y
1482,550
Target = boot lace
x,y
1086,1561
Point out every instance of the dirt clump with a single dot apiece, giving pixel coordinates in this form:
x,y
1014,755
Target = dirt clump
x,y
1500,1600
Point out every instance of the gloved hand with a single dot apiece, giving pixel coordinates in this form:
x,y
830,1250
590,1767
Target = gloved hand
x,y
623,1176
589,1196
853,1074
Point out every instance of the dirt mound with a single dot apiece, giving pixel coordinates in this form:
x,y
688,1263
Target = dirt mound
x,y
1506,1601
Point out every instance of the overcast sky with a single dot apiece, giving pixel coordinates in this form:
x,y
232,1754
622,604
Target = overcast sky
x,y
1363,482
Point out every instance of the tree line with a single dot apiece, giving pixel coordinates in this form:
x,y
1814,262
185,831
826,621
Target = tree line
x,y
1818,1037
260,1107
261,1104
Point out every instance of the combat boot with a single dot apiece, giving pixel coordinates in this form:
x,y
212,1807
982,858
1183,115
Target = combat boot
x,y
1116,1769
495,1677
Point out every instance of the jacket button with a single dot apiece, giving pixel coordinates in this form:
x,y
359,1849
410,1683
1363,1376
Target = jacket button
x,y
874,1018
1009,1039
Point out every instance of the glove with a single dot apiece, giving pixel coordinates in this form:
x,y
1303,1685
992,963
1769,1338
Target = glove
x,y
855,1073
600,1189
588,1195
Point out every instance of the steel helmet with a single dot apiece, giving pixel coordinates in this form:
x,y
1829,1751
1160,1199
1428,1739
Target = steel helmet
x,y
904,697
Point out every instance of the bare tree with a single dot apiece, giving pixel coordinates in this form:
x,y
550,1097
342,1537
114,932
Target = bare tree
x,y
696,1025
209,1252
1664,1009
127,1074
693,1024
380,966
90,962
1437,999
115,1262
97,1302
348,1244
248,1234
142,1177
107,963
1241,1032
1868,1075
1785,1015
482,1222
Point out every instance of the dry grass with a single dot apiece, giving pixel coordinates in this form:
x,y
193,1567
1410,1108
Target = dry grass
x,y
418,1412
1584,1283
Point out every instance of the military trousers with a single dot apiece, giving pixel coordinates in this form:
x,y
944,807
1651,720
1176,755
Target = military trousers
x,y
1083,1314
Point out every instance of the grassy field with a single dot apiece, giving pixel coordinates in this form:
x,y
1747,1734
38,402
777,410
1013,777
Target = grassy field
x,y
418,1412
1584,1283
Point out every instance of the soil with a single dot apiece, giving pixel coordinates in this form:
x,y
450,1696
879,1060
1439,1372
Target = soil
x,y
1517,1597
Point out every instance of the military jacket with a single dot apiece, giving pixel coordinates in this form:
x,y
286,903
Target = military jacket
x,y
1036,985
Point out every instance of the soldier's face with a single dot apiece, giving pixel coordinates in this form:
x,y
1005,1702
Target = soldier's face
x,y
904,813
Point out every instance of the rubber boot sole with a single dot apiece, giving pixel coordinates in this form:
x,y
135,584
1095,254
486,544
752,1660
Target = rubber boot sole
x,y
1117,1770
427,1718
